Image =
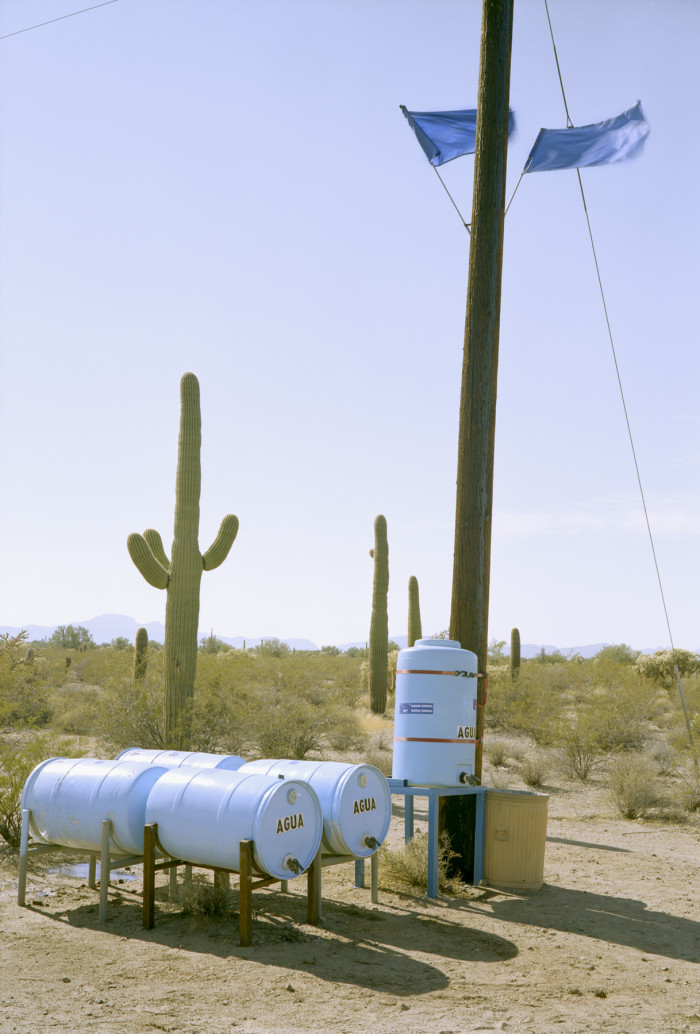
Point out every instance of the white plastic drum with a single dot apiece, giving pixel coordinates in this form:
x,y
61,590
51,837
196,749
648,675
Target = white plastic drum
x,y
177,758
355,800
203,814
435,718
70,798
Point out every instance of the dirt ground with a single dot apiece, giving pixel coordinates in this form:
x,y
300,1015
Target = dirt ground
x,y
610,943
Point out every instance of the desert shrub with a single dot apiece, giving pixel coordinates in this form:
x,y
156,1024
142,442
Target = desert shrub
x,y
99,666
690,783
130,714
619,653
632,783
579,746
534,770
23,687
378,752
76,708
345,732
18,758
407,867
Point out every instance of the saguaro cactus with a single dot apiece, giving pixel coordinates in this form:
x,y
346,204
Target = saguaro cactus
x,y
181,575
514,653
140,655
379,626
415,630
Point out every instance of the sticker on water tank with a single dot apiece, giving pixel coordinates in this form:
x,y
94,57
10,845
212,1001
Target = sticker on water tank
x,y
466,732
424,708
290,822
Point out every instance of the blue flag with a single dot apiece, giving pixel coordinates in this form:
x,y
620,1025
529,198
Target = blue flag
x,y
603,143
445,135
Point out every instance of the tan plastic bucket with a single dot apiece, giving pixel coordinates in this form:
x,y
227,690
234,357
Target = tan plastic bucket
x,y
514,839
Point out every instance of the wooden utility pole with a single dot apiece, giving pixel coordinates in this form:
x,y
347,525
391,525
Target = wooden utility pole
x,y
477,418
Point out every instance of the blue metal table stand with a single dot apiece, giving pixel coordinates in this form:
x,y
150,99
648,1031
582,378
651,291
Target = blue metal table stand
x,y
434,793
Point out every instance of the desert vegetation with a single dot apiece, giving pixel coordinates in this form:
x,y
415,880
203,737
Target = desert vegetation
x,y
613,721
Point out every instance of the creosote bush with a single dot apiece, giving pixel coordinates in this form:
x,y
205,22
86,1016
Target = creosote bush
x,y
633,787
407,867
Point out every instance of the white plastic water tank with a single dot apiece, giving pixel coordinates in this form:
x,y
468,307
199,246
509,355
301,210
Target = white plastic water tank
x,y
203,814
355,800
177,758
69,799
435,717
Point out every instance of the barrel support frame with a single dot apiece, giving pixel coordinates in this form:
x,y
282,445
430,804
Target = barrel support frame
x,y
434,793
108,861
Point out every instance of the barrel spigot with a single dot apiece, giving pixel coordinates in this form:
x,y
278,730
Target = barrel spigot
x,y
372,843
472,780
293,865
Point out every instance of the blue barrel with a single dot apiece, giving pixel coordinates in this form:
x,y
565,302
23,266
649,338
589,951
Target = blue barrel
x,y
355,800
203,814
176,758
435,716
70,798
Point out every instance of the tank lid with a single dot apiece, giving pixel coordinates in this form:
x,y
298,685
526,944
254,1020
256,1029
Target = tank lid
x,y
451,644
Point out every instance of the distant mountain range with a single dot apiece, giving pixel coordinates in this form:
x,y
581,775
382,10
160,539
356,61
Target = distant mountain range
x,y
107,627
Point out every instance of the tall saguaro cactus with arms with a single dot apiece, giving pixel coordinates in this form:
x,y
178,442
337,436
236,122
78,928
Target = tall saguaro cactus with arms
x,y
181,575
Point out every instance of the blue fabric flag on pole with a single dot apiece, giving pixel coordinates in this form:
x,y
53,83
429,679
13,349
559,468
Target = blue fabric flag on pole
x,y
614,140
445,135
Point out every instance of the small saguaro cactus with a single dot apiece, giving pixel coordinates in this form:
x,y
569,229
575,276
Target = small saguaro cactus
x,y
379,626
514,653
140,655
181,575
414,626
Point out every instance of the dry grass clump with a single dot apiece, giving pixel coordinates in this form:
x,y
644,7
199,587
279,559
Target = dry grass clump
x,y
407,867
665,759
534,770
497,752
197,896
633,786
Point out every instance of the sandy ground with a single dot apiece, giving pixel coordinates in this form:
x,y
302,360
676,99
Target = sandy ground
x,y
610,943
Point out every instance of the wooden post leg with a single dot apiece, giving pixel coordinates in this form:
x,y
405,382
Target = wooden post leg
x,y
245,907
172,883
284,886
374,878
104,869
92,872
313,893
23,859
150,833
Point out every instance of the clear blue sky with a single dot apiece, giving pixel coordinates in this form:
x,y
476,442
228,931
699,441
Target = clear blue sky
x,y
229,187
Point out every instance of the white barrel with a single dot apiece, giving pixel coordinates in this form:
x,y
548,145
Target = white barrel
x,y
70,798
355,800
203,814
435,717
176,758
